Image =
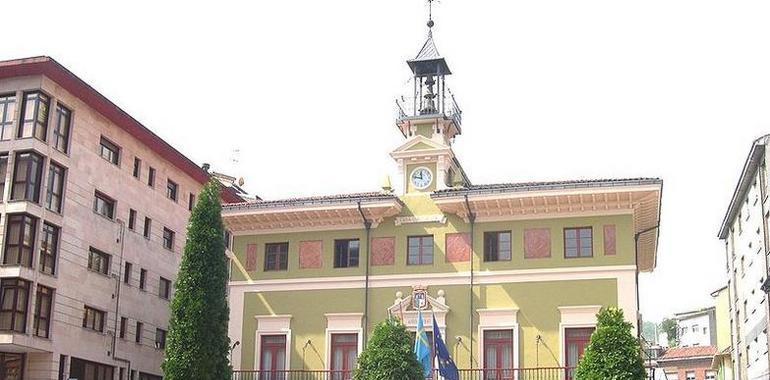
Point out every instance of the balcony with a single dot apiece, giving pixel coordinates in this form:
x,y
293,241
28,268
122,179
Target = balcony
x,y
547,373
409,108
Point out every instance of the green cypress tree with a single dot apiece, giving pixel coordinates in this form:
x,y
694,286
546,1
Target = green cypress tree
x,y
613,352
198,346
389,355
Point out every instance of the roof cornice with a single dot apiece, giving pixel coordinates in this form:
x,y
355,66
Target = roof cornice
x,y
749,171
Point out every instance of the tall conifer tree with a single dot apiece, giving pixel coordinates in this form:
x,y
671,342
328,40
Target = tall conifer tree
x,y
198,345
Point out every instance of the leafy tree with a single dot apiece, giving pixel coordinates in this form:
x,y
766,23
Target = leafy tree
x,y
671,328
389,355
650,332
197,346
613,352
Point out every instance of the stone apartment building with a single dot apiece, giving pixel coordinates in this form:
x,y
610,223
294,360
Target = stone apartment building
x,y
745,233
93,217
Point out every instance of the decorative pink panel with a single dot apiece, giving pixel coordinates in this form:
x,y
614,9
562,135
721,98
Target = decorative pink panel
x,y
537,243
383,251
310,254
458,247
609,240
251,257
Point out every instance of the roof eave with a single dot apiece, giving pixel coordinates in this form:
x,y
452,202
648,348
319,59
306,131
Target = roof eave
x,y
749,170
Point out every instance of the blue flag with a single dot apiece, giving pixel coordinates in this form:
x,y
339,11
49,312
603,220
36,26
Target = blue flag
x,y
422,347
446,367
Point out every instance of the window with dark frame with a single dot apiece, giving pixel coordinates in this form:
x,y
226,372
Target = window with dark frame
x,y
168,238
419,250
190,201
498,353
104,205
55,189
34,116
61,130
346,253
27,177
137,167
41,325
14,302
131,219
344,351
138,335
497,246
172,190
142,278
272,355
151,176
98,261
3,172
93,319
123,327
49,248
19,239
109,151
7,116
164,288
576,340
160,339
578,242
276,256
228,239
127,268
147,227
83,369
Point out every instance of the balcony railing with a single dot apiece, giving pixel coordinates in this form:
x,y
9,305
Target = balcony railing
x,y
407,107
550,373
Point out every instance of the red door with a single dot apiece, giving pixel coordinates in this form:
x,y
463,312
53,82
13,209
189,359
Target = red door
x,y
498,354
344,354
575,342
272,357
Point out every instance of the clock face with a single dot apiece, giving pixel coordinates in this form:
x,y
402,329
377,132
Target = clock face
x,y
421,177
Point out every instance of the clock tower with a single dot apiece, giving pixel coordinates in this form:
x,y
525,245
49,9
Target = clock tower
x,y
429,120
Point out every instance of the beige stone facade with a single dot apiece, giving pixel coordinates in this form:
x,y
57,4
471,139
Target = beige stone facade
x,y
78,339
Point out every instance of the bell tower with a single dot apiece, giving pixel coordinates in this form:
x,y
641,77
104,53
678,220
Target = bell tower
x,y
429,119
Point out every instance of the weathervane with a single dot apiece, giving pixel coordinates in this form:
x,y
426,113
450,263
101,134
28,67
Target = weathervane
x,y
430,14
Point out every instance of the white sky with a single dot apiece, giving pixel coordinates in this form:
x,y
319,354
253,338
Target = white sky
x,y
550,90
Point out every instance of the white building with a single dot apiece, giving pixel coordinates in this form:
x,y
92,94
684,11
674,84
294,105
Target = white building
x,y
697,328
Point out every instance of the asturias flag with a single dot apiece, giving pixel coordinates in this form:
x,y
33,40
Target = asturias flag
x,y
446,367
422,347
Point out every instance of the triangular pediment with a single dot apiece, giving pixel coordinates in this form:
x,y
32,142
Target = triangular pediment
x,y
419,143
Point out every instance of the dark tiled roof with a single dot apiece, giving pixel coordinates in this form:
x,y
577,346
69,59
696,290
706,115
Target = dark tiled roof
x,y
681,353
548,185
313,201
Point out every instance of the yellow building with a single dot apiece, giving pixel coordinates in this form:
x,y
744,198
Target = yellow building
x,y
723,363
514,273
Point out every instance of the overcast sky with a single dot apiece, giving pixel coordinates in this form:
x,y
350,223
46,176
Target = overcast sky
x,y
550,90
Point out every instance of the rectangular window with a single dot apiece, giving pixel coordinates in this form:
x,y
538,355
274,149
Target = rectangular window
x,y
109,151
575,342
123,327
164,289
497,246
710,375
151,177
160,339
3,173
171,190
55,191
7,115
43,307
168,238
34,116
137,167
19,240
131,219
498,353
228,239
61,130
128,267
142,278
147,227
14,300
93,319
344,351
82,369
272,355
419,250
49,248
578,242
276,256
138,336
190,201
27,177
104,205
689,375
346,253
98,261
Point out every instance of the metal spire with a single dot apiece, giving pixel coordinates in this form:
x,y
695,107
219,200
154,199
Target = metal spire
x,y
430,14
